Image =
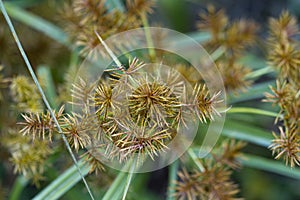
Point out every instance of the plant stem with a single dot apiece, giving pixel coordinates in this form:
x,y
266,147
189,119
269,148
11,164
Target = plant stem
x,y
129,179
217,53
253,111
196,160
18,186
173,168
259,72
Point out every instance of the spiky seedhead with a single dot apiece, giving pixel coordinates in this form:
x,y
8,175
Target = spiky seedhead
x,y
40,124
78,129
25,94
205,104
152,101
287,145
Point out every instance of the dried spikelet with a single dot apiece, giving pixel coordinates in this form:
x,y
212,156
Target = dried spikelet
x,y
78,129
238,36
145,141
214,21
83,17
286,57
287,145
152,101
89,10
229,151
28,157
70,21
218,185
138,7
104,99
81,93
283,28
96,165
213,183
234,76
205,104
40,125
281,95
25,94
187,187
286,96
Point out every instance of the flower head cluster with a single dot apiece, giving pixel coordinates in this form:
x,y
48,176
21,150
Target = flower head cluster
x,y
284,55
234,37
213,182
138,110
86,16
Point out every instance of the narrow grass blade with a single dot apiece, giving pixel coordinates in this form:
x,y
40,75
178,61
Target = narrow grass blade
x,y
173,169
269,165
63,183
252,111
255,92
117,187
19,185
247,133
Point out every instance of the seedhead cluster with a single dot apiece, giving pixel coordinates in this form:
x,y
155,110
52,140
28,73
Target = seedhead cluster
x,y
212,182
234,38
284,56
141,109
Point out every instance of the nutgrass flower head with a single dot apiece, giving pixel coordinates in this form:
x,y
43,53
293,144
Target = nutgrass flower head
x,y
287,145
205,104
214,181
76,128
39,124
25,94
234,76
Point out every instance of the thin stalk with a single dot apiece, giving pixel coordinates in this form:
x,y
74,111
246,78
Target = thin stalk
x,y
253,111
173,168
129,179
25,58
196,159
148,36
116,186
259,72
18,187
217,53
109,51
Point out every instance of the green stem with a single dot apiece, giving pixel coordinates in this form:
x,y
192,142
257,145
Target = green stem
x,y
148,37
217,53
196,160
253,111
259,72
114,191
63,183
129,179
173,168
18,187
